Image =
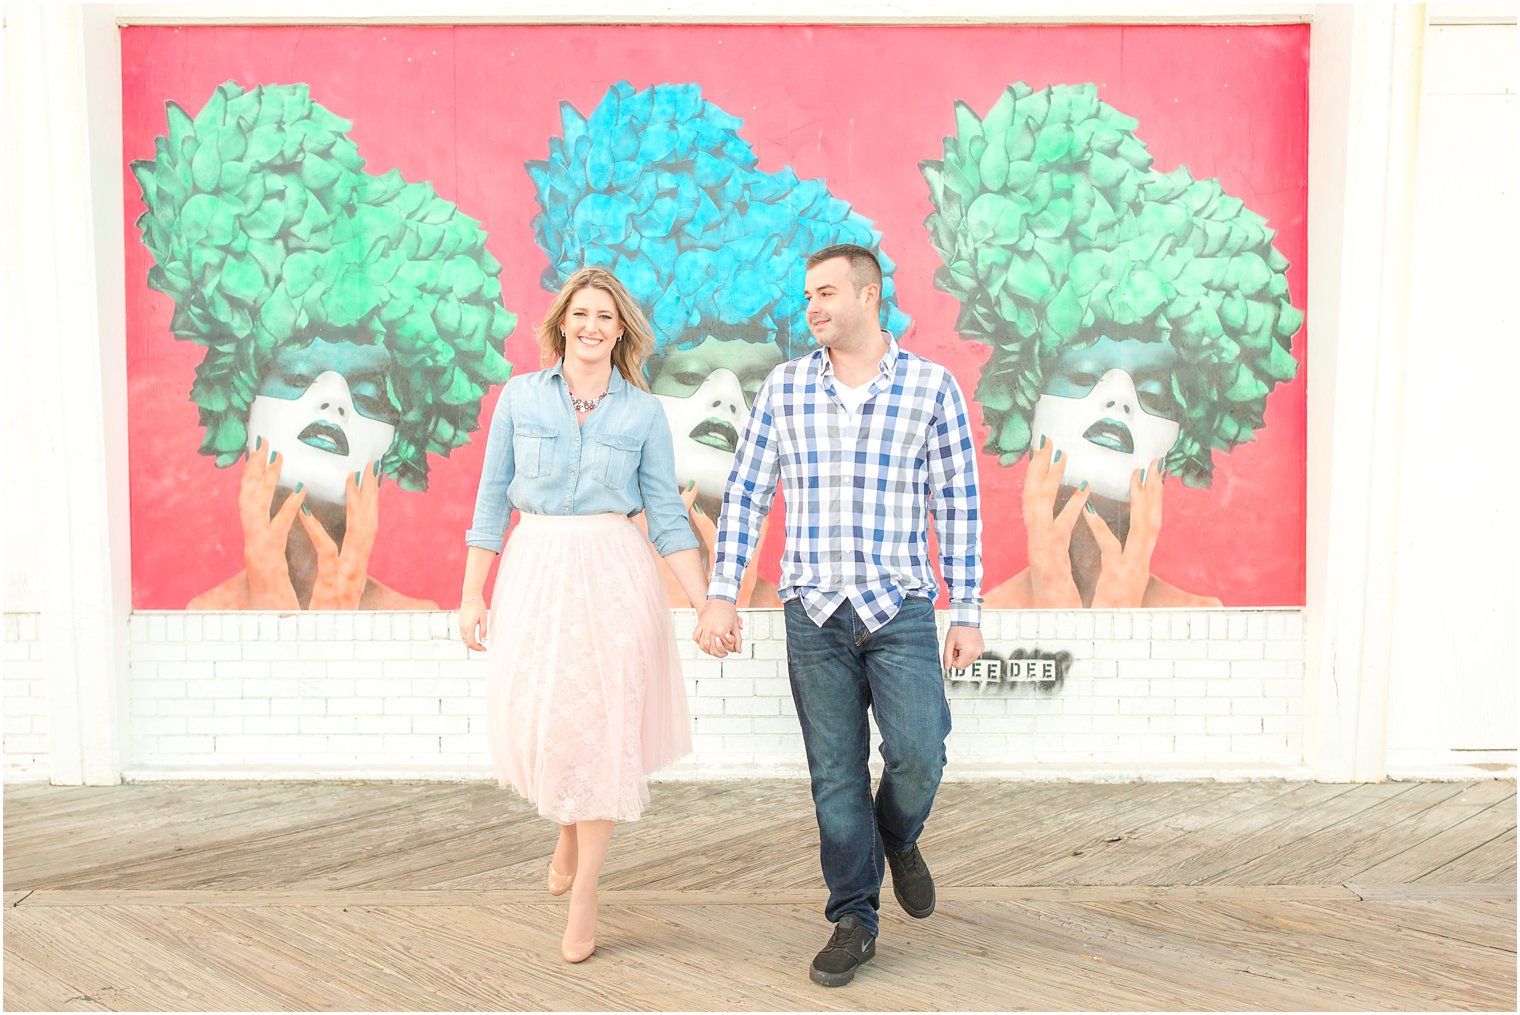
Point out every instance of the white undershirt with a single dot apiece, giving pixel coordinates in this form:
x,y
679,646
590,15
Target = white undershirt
x,y
853,398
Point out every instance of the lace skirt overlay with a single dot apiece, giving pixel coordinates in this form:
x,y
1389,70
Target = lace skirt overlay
x,y
584,696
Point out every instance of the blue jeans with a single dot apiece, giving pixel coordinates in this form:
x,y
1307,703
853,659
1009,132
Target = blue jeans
x,y
838,671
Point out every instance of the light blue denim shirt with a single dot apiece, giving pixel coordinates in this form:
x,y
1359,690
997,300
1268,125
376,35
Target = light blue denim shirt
x,y
538,460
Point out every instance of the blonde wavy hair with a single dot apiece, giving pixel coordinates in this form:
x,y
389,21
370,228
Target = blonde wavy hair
x,y
631,350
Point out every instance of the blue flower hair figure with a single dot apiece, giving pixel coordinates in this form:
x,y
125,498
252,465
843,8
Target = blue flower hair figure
x,y
658,186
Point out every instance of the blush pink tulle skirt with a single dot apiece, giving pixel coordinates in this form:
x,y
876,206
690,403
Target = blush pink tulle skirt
x,y
584,694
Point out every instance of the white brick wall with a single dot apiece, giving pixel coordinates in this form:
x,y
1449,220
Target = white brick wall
x,y
1155,694
1184,694
26,720
381,694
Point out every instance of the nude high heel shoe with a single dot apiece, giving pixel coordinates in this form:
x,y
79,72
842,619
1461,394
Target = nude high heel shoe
x,y
559,883
577,952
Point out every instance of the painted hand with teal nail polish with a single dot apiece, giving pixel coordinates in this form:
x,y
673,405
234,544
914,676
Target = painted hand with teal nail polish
x,y
266,531
343,571
1107,564
1050,580
1125,576
322,567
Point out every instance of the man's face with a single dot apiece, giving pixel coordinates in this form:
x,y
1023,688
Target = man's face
x,y
839,315
1109,410
326,410
707,392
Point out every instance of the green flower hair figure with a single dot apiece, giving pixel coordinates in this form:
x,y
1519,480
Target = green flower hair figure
x,y
1137,319
268,235
1055,230
352,325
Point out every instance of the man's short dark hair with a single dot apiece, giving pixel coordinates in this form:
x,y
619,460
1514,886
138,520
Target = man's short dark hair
x,y
865,269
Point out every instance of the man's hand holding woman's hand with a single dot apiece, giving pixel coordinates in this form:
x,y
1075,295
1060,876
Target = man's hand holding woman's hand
x,y
719,630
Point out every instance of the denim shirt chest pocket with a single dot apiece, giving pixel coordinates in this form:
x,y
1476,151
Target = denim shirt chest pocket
x,y
615,458
533,448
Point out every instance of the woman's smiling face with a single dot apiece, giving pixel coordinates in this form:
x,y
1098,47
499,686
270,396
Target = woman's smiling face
x,y
1109,409
591,329
326,409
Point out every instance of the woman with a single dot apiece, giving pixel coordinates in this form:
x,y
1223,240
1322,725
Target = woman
x,y
352,325
660,182
1103,425
1137,321
585,696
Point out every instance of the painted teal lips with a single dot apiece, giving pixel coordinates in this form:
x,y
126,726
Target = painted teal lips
x,y
716,433
1111,434
325,436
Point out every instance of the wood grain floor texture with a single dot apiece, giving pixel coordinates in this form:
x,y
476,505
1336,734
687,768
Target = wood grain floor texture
x,y
400,896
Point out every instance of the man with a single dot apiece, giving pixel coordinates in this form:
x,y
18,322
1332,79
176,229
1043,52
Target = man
x,y
865,437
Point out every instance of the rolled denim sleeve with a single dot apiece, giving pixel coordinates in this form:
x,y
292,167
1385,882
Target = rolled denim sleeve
x,y
493,509
664,510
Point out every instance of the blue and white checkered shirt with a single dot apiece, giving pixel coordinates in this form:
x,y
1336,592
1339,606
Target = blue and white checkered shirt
x,y
858,490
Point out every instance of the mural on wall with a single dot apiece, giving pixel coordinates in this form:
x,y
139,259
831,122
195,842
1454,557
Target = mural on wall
x,y
659,186
352,324
1137,321
314,335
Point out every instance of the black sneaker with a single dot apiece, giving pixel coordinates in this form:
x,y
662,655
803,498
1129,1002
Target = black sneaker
x,y
850,947
911,882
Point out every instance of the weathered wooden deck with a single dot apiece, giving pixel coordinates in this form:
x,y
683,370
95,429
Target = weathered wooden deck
x,y
1263,895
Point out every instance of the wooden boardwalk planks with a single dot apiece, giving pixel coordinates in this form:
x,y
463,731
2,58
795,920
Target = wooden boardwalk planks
x,y
1156,896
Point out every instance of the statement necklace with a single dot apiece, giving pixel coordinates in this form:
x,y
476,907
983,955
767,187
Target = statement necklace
x,y
586,404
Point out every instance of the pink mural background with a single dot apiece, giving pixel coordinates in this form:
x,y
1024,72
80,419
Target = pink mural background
x,y
465,108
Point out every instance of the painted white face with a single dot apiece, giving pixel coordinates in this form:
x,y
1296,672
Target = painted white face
x,y
706,427
1109,410
707,392
325,410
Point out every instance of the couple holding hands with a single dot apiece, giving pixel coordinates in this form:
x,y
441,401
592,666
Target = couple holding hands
x,y
585,696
